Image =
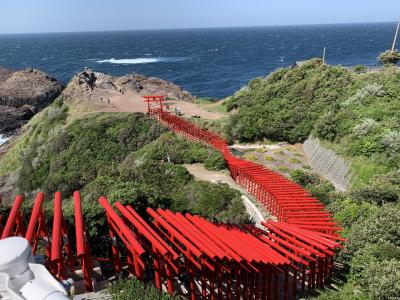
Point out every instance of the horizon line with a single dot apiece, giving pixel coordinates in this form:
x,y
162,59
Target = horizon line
x,y
200,28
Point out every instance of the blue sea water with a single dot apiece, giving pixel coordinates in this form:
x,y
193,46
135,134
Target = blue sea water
x,y
207,62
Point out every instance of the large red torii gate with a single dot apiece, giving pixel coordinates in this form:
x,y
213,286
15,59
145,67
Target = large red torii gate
x,y
158,101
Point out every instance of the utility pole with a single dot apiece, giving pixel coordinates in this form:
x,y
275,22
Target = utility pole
x,y
395,36
323,55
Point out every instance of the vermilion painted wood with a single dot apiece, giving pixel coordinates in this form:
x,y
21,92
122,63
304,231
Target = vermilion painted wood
x,y
82,244
228,261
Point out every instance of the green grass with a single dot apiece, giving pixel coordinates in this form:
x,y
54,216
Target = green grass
x,y
283,169
132,289
251,157
269,158
294,161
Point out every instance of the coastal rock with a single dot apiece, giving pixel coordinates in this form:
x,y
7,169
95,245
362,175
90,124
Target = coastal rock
x,y
84,85
12,118
153,85
27,87
22,94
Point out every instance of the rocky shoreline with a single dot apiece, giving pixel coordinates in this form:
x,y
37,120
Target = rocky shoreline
x,y
23,93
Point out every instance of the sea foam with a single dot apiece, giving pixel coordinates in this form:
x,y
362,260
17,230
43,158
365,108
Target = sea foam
x,y
135,61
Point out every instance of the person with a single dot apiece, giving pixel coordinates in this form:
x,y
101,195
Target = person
x,y
108,100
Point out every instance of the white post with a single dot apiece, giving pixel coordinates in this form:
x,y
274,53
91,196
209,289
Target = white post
x,y
395,36
323,55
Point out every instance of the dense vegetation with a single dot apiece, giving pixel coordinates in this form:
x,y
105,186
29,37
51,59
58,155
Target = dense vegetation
x,y
125,157
355,113
132,289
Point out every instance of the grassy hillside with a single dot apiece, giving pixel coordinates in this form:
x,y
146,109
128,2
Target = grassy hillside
x,y
357,114
126,157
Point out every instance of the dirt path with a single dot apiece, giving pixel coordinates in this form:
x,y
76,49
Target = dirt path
x,y
131,101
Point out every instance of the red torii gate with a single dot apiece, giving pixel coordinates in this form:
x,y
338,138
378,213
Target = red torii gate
x,y
158,100
218,260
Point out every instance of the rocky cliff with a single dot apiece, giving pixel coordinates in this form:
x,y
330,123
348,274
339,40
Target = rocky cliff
x,y
84,83
22,94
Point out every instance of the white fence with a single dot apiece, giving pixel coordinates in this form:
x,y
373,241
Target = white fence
x,y
254,213
328,163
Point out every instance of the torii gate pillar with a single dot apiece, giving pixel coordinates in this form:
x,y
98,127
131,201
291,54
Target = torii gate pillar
x,y
158,100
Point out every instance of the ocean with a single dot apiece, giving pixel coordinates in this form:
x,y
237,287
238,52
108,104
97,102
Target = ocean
x,y
207,62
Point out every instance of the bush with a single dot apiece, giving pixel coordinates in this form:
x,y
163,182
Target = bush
x,y
294,161
133,289
381,225
392,142
285,105
360,69
364,128
376,193
370,254
382,279
320,189
215,161
214,201
172,148
347,212
375,90
269,158
389,57
303,178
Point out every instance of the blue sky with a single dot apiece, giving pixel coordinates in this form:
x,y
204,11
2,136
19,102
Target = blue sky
x,y
18,16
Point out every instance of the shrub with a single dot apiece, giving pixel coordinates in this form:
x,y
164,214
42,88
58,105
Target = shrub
x,y
326,126
283,169
389,57
294,161
372,253
279,152
382,279
285,105
251,157
215,161
347,211
214,201
261,150
373,89
303,178
392,141
133,289
172,148
269,158
381,225
360,69
376,193
364,128
323,191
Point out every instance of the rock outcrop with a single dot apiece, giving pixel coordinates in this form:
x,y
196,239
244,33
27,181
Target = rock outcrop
x,y
153,85
22,94
12,118
83,84
27,87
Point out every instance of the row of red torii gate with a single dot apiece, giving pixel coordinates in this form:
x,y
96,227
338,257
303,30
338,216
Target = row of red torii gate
x,y
188,255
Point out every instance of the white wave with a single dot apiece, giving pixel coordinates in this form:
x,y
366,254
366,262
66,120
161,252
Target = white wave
x,y
136,61
3,139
